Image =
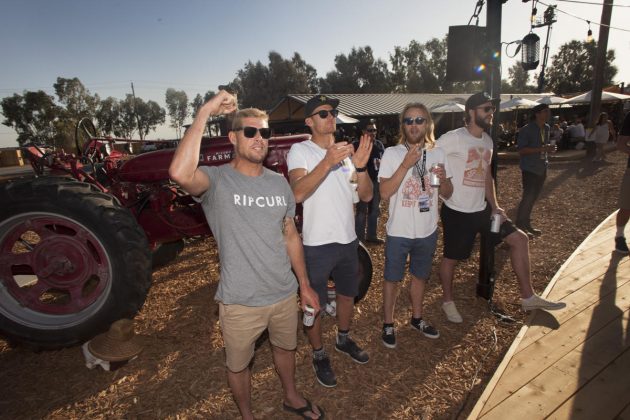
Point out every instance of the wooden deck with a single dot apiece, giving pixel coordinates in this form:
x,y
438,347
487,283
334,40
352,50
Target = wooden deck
x,y
574,363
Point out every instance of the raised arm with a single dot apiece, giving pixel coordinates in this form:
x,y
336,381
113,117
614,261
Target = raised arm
x,y
360,159
183,169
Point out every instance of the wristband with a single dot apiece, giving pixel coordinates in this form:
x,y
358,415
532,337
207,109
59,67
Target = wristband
x,y
363,169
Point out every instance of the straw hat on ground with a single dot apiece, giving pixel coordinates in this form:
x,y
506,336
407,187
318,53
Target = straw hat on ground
x,y
118,344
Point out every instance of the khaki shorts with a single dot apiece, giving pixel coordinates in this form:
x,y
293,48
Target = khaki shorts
x,y
624,192
242,325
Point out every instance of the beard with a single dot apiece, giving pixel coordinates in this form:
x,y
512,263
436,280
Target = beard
x,y
483,123
414,138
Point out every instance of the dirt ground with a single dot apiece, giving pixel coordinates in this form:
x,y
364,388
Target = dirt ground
x,y
180,374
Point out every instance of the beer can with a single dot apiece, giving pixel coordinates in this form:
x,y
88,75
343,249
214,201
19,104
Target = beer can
x,y
495,225
309,316
434,179
331,293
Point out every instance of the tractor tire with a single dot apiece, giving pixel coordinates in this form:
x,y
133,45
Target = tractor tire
x,y
365,272
72,261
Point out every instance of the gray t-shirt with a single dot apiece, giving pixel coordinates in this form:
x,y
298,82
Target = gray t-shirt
x,y
246,215
533,136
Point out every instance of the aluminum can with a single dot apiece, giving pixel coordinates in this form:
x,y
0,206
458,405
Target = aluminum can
x,y
434,180
495,224
309,316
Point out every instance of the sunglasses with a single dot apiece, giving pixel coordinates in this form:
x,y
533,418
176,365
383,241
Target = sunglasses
x,y
323,114
488,108
250,132
371,130
417,120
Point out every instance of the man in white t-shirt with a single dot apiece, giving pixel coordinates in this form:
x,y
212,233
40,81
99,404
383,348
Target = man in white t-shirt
x,y
413,214
469,209
323,178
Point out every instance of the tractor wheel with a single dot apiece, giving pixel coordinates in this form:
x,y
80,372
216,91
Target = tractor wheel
x,y
72,261
365,272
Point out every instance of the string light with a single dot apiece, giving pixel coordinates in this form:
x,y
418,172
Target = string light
x,y
589,34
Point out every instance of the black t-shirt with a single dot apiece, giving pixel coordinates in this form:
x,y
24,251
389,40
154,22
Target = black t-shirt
x,y
625,130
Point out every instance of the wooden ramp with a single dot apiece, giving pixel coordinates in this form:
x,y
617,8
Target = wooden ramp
x,y
574,363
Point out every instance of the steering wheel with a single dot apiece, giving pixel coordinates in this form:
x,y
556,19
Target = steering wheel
x,y
83,133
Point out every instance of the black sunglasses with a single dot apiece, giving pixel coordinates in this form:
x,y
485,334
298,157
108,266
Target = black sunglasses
x,y
488,108
371,130
417,120
324,113
250,132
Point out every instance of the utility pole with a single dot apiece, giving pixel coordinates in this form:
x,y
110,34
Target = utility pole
x,y
600,62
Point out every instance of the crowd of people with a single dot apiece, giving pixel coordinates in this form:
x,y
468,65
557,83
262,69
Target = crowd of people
x,y
268,270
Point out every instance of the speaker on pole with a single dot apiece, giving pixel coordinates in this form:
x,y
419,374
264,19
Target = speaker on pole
x,y
467,57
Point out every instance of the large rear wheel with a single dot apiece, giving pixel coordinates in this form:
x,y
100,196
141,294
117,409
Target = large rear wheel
x,y
72,261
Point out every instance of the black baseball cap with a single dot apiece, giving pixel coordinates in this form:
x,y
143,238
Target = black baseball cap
x,y
539,107
318,100
480,98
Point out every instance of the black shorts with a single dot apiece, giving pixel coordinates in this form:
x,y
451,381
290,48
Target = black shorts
x,y
337,261
460,229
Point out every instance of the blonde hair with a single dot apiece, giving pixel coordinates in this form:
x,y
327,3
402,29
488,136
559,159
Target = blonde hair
x,y
429,137
237,119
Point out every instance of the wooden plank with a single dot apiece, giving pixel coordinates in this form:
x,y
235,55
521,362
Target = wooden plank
x,y
559,382
603,397
576,302
570,282
539,356
590,255
490,387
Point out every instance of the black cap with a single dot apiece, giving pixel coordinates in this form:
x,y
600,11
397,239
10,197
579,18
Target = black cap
x,y
480,98
539,107
318,100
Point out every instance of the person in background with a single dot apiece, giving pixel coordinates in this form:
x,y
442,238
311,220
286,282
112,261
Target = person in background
x,y
370,210
413,215
533,146
472,204
623,145
602,131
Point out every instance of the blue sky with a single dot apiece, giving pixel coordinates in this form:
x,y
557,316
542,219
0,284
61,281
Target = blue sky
x,y
196,45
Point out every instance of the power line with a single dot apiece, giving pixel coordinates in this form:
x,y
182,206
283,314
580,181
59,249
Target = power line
x,y
586,20
592,3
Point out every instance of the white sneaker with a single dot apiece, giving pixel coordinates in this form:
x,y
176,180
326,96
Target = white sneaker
x,y
451,312
536,302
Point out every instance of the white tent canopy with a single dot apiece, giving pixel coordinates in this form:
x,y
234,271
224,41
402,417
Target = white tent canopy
x,y
448,107
517,102
606,97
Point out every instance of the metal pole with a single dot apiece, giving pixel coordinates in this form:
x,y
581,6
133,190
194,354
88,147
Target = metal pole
x,y
600,62
541,79
485,283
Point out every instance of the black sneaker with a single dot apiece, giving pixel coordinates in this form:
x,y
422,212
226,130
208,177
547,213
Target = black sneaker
x,y
324,372
350,348
426,329
621,246
389,337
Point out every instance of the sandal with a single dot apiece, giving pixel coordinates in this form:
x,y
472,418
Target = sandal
x,y
301,411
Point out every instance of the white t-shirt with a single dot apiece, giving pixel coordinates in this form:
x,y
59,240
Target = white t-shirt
x,y
329,211
405,218
468,158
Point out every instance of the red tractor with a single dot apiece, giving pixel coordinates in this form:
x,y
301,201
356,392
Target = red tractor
x,y
79,241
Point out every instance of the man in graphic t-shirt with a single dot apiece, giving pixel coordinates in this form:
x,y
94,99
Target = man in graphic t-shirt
x,y
623,144
323,178
250,210
413,214
469,209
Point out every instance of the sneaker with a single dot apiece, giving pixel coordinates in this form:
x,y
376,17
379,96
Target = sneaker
x,y
536,302
389,337
351,348
451,312
324,372
426,329
621,246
